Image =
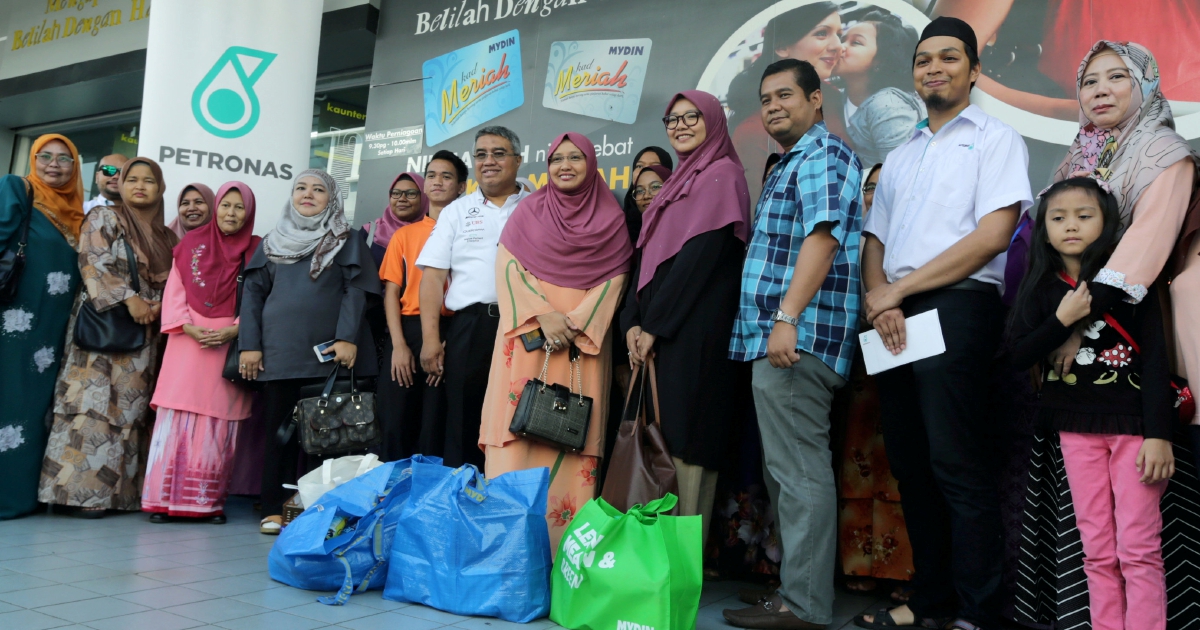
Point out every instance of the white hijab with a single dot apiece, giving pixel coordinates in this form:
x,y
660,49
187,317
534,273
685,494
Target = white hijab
x,y
297,236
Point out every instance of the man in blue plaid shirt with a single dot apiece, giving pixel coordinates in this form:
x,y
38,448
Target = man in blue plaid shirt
x,y
797,322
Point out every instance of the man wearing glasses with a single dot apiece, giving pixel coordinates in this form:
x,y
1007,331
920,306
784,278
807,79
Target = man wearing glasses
x,y
108,180
462,248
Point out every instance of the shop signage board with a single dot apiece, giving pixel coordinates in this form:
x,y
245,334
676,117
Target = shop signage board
x,y
235,101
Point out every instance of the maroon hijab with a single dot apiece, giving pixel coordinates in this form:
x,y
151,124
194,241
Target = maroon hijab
x,y
707,192
573,239
386,225
208,259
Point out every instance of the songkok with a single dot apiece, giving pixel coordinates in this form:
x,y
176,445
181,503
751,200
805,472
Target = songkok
x,y
950,27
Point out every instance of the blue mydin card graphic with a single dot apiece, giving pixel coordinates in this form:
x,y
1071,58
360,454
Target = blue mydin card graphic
x,y
472,85
598,78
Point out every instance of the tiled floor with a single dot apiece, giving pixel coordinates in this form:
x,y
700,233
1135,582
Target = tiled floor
x,y
125,573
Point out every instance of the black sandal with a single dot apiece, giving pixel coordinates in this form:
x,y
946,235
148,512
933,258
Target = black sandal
x,y
883,619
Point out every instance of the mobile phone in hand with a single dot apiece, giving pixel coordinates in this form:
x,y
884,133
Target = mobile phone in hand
x,y
321,348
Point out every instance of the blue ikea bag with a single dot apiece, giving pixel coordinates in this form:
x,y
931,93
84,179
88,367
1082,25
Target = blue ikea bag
x,y
470,545
343,541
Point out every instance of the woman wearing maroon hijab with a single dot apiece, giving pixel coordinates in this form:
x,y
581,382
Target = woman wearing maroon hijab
x,y
198,411
683,295
561,267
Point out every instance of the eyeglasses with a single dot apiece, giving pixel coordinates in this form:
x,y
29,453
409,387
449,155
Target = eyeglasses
x,y
689,119
869,188
109,170
499,156
46,158
640,193
411,195
574,158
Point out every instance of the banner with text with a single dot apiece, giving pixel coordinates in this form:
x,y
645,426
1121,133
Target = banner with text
x,y
231,99
606,68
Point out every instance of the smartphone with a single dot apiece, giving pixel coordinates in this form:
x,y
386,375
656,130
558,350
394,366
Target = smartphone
x,y
322,347
534,341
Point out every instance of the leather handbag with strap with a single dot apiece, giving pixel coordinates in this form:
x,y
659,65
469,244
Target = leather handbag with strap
x,y
1184,402
114,329
335,422
232,371
554,414
641,469
12,259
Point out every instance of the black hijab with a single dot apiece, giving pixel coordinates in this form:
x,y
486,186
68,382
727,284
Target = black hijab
x,y
633,218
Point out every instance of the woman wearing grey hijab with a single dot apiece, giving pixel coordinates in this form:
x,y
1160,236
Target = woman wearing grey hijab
x,y
307,284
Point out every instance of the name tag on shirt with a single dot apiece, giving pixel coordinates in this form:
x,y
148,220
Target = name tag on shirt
x,y
923,339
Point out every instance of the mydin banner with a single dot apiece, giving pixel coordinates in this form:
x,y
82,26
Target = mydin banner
x,y
606,68
231,99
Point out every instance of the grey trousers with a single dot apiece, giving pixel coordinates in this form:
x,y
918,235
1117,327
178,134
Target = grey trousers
x,y
793,417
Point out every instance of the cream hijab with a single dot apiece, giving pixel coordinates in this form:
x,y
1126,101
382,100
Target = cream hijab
x,y
296,236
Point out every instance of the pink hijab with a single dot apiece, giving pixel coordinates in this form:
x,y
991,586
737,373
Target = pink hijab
x,y
386,225
706,192
573,239
208,259
206,193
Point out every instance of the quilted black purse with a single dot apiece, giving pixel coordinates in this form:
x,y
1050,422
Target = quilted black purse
x,y
12,261
554,414
113,330
335,423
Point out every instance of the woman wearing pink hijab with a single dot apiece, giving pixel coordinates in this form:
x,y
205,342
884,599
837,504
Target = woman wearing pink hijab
x,y
402,209
684,294
561,267
198,412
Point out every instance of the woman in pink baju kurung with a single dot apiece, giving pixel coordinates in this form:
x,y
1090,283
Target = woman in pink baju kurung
x,y
199,412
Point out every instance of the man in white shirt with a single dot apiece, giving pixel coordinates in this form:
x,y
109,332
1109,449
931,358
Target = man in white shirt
x,y
108,179
462,248
945,209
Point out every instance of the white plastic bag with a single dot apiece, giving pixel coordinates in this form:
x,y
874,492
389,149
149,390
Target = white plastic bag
x,y
333,473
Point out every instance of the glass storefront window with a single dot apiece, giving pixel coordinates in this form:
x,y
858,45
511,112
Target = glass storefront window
x,y
339,117
93,144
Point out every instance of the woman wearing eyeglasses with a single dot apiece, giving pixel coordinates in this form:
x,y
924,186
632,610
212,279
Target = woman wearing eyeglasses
x,y
33,323
683,293
561,267
94,455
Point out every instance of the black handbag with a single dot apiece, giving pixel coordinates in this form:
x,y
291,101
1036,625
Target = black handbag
x,y
113,330
554,414
334,422
12,261
233,357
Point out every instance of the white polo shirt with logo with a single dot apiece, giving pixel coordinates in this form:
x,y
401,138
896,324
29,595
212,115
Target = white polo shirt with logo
x,y
465,241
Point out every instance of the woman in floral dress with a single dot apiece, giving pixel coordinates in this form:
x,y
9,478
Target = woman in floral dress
x,y
93,457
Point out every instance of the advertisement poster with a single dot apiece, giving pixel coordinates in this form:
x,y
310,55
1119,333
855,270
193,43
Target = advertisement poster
x,y
236,104
472,85
862,49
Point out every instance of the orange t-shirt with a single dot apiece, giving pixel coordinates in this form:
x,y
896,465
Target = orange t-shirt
x,y
400,263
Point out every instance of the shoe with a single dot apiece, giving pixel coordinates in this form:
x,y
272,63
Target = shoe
x,y
754,594
219,519
767,614
88,514
159,517
271,525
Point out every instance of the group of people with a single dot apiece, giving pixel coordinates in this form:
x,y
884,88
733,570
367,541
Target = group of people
x,y
437,301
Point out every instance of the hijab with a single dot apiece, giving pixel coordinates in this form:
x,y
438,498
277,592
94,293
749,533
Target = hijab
x,y
322,236
386,225
574,239
633,217
149,235
1140,147
209,260
62,205
707,192
206,193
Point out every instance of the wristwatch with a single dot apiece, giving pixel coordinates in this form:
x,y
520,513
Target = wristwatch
x,y
780,316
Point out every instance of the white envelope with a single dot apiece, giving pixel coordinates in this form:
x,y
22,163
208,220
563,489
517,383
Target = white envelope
x,y
923,339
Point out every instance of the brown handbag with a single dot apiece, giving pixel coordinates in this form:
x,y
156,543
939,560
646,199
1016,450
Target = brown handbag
x,y
641,469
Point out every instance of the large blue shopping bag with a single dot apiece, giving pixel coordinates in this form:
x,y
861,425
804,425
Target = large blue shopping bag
x,y
343,541
469,545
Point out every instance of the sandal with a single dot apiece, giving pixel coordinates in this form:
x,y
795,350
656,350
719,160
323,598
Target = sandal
x,y
883,619
270,525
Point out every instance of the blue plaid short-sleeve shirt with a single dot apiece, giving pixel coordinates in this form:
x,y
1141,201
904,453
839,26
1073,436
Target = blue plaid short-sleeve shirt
x,y
818,181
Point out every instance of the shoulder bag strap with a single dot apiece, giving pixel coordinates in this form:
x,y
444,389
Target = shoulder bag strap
x,y
1108,318
241,279
134,282
23,231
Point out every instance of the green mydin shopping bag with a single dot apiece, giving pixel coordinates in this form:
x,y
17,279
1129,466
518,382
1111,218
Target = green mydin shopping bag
x,y
635,571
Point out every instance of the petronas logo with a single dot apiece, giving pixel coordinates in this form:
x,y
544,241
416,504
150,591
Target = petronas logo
x,y
224,103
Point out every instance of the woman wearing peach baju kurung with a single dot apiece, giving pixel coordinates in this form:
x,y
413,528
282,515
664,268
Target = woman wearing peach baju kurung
x,y
561,267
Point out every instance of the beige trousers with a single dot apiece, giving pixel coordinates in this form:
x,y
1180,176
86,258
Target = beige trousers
x,y
697,491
